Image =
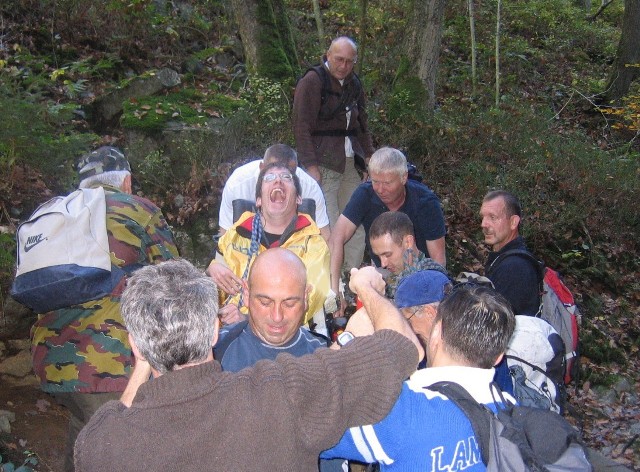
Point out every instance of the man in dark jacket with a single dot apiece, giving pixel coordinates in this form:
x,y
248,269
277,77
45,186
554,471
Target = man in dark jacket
x,y
514,276
331,131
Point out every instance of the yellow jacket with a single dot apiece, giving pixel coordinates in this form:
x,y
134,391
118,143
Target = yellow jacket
x,y
303,239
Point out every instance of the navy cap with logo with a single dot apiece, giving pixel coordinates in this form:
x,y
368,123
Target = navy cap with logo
x,y
421,288
103,159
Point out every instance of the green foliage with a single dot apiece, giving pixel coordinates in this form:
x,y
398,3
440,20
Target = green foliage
x,y
26,466
40,136
268,109
151,114
7,262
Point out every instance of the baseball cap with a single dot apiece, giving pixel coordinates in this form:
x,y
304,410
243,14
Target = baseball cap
x,y
421,288
103,159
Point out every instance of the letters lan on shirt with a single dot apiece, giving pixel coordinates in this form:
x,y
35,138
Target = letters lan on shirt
x,y
466,454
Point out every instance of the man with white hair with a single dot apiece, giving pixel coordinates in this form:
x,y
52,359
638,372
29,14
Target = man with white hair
x,y
389,190
81,353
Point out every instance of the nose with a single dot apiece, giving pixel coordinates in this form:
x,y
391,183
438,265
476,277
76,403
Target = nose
x,y
484,223
384,262
276,314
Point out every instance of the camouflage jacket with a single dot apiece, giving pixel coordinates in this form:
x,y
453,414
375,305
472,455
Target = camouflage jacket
x,y
419,262
84,348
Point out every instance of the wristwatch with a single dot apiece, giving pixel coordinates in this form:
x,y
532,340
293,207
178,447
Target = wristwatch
x,y
344,338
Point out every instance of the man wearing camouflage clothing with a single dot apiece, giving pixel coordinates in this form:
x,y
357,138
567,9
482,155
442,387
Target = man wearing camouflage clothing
x,y
81,353
393,241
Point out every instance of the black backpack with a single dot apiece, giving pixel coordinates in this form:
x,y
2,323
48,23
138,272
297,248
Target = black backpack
x,y
348,97
519,438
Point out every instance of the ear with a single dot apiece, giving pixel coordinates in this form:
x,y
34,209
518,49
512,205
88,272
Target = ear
x,y
408,241
216,331
134,348
298,200
404,178
261,165
258,202
435,338
307,294
514,221
245,290
498,359
126,184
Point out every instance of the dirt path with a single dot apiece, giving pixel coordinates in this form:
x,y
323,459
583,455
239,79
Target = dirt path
x,y
40,427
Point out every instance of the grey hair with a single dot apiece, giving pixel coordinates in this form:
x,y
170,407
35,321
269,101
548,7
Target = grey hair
x,y
114,178
388,159
282,154
170,310
350,41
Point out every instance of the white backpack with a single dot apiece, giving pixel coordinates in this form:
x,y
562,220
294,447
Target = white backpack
x,y
535,356
63,253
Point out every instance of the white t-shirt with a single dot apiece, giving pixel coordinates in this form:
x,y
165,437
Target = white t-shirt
x,y
242,185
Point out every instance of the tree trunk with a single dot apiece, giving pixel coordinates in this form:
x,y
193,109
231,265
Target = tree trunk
x,y
318,15
423,44
364,5
266,38
474,58
498,20
625,68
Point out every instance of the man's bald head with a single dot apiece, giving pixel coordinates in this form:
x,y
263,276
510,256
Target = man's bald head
x,y
277,263
277,293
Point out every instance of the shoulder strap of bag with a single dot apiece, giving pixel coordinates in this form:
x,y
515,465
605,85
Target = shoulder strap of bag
x,y
477,414
537,264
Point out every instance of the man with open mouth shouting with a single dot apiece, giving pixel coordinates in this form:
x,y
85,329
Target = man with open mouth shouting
x,y
277,223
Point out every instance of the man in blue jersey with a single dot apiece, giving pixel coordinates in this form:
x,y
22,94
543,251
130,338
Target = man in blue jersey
x,y
424,430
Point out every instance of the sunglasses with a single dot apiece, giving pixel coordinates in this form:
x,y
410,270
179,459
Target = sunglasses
x,y
284,177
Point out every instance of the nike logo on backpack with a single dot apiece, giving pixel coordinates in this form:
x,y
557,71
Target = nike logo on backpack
x,y
33,241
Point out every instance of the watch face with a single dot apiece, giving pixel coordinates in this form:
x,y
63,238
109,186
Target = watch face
x,y
344,338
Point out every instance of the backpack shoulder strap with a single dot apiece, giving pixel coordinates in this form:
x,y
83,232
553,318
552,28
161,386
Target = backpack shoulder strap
x,y
477,414
537,264
221,346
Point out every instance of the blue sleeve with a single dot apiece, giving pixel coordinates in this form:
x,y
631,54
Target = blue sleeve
x,y
431,219
358,205
383,442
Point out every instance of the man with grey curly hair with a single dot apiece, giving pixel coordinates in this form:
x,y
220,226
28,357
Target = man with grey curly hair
x,y
271,416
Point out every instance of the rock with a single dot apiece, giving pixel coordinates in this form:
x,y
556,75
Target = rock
x,y
623,385
5,426
9,414
26,381
634,429
106,109
17,320
6,418
20,344
18,365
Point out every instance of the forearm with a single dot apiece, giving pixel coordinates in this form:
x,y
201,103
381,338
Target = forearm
x,y
337,258
384,315
437,251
